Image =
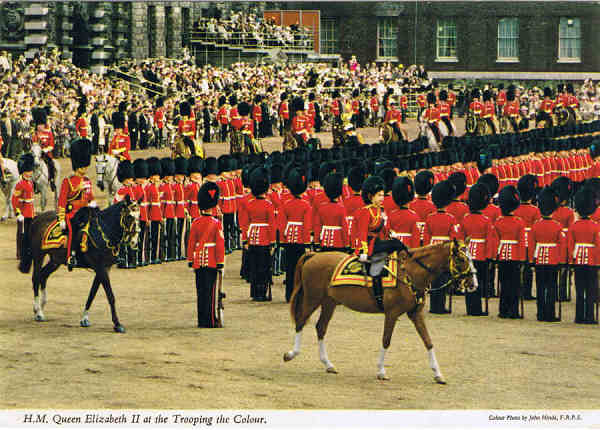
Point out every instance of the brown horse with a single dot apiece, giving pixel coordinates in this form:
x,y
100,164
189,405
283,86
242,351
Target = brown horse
x,y
312,289
106,231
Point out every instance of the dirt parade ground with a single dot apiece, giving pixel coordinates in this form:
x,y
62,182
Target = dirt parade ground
x,y
164,362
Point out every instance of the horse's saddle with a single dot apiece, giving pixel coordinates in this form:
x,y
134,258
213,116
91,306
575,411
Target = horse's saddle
x,y
54,237
351,272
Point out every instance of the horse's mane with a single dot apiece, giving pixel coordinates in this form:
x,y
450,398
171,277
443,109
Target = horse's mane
x,y
426,250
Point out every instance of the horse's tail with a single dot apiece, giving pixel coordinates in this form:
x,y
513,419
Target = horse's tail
x,y
298,293
26,257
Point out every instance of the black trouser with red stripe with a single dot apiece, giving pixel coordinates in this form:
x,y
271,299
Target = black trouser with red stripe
x,y
586,290
229,231
293,252
206,297
546,282
473,300
509,277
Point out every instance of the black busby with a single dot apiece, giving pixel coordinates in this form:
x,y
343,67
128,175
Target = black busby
x,y
547,92
224,163
487,95
276,173
585,202
403,190
297,104
442,194
424,182
479,197
154,166
184,109
296,183
510,95
388,174
160,101
181,166
208,196
527,185
259,181
123,106
81,153
459,180
211,167
509,199
431,98
356,177
475,94
39,116
81,109
324,169
25,163
195,164
118,119
283,96
371,186
243,108
222,100
167,167
563,187
491,182
140,168
548,201
570,89
125,171
484,162
443,95
333,185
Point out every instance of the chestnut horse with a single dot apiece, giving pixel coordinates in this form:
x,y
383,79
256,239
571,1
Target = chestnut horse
x,y
420,265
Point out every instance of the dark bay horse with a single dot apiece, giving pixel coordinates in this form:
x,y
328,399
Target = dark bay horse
x,y
107,230
312,289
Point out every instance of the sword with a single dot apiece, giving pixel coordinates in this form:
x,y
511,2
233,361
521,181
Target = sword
x,y
220,296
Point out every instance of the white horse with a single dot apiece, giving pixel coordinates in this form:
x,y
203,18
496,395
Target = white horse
x,y
432,142
11,177
106,175
41,177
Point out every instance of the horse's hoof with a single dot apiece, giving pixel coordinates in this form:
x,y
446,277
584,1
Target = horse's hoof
x,y
332,370
40,318
119,329
382,377
85,323
288,356
439,380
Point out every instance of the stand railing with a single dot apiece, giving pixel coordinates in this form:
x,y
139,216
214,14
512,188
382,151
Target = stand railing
x,y
300,41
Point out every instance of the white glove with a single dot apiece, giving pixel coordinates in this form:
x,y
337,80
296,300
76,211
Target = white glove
x,y
63,225
20,218
93,204
363,258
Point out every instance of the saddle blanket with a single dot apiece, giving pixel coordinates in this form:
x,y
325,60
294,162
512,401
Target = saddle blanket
x,y
54,237
350,271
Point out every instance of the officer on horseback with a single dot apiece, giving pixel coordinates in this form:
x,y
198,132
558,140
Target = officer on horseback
x,y
44,137
75,193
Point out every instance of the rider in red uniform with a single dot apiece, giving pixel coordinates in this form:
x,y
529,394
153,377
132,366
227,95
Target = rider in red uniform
x,y
120,144
45,138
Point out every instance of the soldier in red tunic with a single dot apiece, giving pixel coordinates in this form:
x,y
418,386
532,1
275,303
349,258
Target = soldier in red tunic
x,y
458,208
512,110
566,217
432,116
259,228
546,108
583,245
206,255
125,175
22,202
402,221
511,252
501,98
547,250
330,224
45,138
488,112
227,200
167,201
82,123
475,107
445,110
223,117
159,119
284,114
393,117
482,246
155,216
296,221
257,114
374,105
195,169
75,193
120,144
181,171
422,206
187,128
356,177
301,123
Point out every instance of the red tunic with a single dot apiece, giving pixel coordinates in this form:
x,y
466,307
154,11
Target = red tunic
x,y
392,116
22,198
402,225
226,195
45,139
583,243
119,146
159,117
257,113
284,111
489,110
330,225
432,114
206,245
125,190
458,209
530,214
374,102
301,125
260,225
140,194
493,212
180,201
296,221
444,108
565,216
81,127
547,243
501,98
191,197
547,106
440,227
154,205
187,127
167,199
369,224
423,207
422,100
511,236
512,109
476,107
75,193
223,115
335,108
352,204
484,239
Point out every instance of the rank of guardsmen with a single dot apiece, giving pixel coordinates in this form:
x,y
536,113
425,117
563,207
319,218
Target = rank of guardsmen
x,y
528,204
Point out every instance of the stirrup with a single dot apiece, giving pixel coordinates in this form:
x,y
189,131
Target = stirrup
x,y
379,302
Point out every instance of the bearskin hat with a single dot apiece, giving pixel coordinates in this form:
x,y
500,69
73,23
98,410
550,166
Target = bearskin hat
x,y
509,199
459,180
431,98
243,108
355,92
388,174
594,184
208,196
224,163
39,116
140,168
283,96
184,109
81,153
371,186
160,101
167,167
222,100
487,95
569,88
276,173
333,185
181,166
356,177
123,106
154,166
510,96
479,197
585,202
563,187
527,185
443,95
259,181
118,119
547,92
81,109
548,201
311,97
125,171
442,194
296,183
25,163
195,164
475,94
246,174
324,169
211,166
297,104
257,98
424,182
491,182
233,100
403,190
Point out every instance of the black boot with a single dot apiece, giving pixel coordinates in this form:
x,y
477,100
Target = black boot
x,y
378,291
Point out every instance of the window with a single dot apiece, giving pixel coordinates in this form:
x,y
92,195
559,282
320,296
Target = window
x,y
569,40
508,39
446,40
387,38
329,36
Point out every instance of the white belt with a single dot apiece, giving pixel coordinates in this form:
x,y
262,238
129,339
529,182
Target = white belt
x,y
207,245
395,234
228,198
169,202
508,242
144,204
329,228
155,204
290,223
527,228
477,240
540,245
27,200
257,225
578,246
440,238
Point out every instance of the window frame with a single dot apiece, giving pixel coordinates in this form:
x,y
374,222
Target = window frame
x,y
508,59
445,59
335,31
561,59
394,32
